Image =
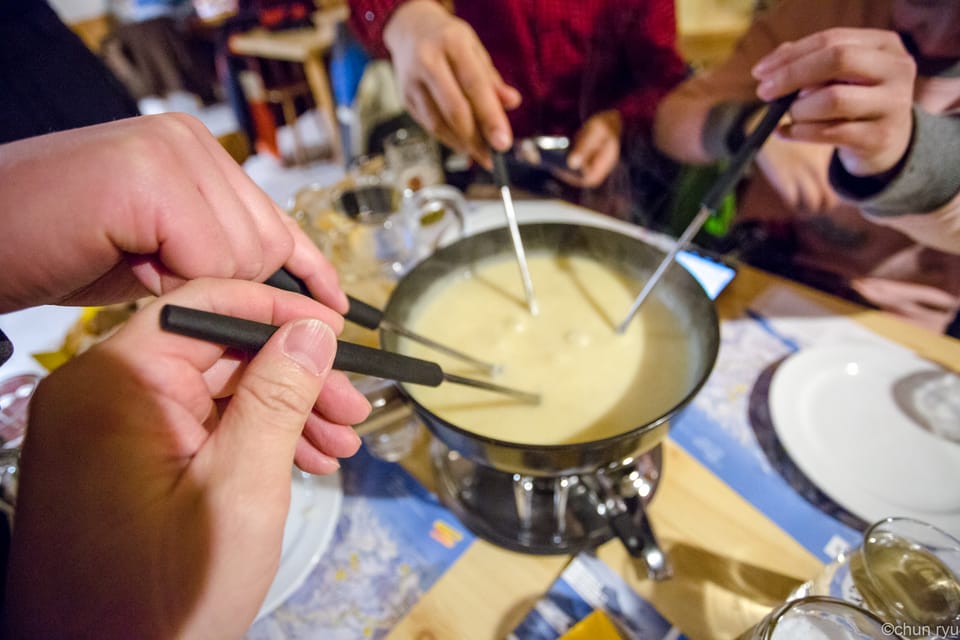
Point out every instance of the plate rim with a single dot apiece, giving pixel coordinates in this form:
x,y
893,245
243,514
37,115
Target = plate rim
x,y
780,401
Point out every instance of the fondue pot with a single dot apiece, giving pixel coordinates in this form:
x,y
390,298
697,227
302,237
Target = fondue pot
x,y
561,498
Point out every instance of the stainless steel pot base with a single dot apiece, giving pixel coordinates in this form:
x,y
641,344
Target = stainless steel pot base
x,y
558,514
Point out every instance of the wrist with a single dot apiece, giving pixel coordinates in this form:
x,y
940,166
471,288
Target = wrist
x,y
879,163
411,12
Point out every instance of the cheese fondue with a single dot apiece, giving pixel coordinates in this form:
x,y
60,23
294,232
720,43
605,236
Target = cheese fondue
x,y
594,382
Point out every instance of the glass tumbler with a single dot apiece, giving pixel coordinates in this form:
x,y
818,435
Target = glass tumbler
x,y
905,571
820,618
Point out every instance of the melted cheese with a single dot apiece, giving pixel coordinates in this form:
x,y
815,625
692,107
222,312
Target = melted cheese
x,y
594,383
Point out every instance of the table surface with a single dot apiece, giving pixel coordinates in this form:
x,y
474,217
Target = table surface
x,y
732,564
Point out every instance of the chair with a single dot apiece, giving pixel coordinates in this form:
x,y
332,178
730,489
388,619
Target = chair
x,y
306,46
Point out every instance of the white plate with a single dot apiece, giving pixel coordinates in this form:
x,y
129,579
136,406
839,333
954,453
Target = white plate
x,y
840,414
314,509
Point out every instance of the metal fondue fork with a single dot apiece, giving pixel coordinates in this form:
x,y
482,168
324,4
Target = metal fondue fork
x,y
726,181
502,179
250,336
370,317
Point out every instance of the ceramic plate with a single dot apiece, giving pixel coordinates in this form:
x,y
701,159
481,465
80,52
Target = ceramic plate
x,y
874,428
314,509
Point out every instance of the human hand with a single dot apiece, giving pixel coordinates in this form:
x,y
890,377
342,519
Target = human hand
x,y
927,306
856,94
596,150
448,81
155,476
798,171
113,212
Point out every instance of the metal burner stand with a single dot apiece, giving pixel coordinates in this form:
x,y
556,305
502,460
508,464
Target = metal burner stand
x,y
559,514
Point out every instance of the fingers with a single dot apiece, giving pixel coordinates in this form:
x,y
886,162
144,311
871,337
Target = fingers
x,y
596,149
340,402
177,165
479,82
310,265
509,97
924,305
274,398
280,238
426,111
252,301
323,442
448,80
267,218
870,136
828,40
840,64
443,84
856,93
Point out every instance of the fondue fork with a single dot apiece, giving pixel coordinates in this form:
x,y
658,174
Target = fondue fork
x,y
727,180
250,336
370,317
502,179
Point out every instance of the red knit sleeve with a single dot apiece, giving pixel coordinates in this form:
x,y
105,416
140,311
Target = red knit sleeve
x,y
367,20
655,63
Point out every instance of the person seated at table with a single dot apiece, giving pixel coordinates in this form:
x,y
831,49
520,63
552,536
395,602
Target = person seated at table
x,y
857,193
492,72
155,474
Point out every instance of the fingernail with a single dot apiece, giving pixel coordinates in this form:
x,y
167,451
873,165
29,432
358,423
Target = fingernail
x,y
765,89
500,140
574,161
311,344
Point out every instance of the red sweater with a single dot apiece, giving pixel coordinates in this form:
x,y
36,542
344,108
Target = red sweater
x,y
568,58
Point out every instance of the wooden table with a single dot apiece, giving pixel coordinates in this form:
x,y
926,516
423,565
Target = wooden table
x,y
732,564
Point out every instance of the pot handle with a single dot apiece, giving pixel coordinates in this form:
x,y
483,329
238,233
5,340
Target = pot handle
x,y
630,524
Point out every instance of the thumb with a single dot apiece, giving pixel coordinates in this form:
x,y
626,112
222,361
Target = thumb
x,y
274,397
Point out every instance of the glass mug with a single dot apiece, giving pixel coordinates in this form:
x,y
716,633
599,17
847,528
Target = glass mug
x,y
820,618
381,233
905,571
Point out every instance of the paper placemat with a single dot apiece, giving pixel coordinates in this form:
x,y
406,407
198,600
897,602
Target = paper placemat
x,y
717,429
393,541
586,585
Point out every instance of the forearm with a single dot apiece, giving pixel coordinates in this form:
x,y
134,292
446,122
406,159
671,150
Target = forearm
x,y
679,126
369,19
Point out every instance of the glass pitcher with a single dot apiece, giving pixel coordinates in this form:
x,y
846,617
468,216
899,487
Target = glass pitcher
x,y
372,231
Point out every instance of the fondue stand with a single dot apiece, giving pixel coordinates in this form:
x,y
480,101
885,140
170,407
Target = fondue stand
x,y
555,514
529,506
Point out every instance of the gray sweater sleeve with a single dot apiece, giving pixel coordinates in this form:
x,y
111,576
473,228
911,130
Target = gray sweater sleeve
x,y
926,179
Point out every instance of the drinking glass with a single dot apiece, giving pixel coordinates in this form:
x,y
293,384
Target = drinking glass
x,y
905,571
820,618
15,394
413,160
